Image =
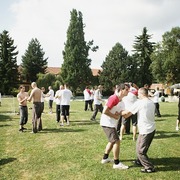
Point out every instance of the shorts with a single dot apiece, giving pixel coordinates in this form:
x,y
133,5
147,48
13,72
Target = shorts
x,y
65,110
50,104
133,117
111,134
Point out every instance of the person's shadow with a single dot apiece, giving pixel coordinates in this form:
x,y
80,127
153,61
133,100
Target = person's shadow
x,y
6,161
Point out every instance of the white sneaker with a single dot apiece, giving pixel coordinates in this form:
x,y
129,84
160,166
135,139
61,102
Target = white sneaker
x,y
120,166
177,128
104,161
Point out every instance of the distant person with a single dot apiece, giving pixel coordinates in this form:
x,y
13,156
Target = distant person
x,y
108,122
35,97
145,109
0,99
87,99
156,101
50,94
178,118
65,96
97,102
58,103
42,99
22,97
92,95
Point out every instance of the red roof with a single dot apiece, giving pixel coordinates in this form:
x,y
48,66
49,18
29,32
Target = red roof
x,y
153,86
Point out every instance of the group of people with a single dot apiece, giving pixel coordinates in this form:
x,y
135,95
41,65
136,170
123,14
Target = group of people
x,y
62,96
114,108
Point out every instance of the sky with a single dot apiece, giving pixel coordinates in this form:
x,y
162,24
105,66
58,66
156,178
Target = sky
x,y
106,22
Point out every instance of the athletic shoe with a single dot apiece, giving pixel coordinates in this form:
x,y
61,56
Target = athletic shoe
x,y
92,119
177,128
104,161
149,170
120,166
137,163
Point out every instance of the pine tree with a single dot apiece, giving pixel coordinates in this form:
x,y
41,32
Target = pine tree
x,y
114,68
33,61
8,64
143,49
76,66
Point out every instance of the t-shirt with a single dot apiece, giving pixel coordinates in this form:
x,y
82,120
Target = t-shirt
x,y
87,94
114,105
51,94
145,110
97,96
57,99
66,95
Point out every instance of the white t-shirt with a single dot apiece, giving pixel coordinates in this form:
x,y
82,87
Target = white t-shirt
x,y
51,94
97,96
145,110
58,99
129,100
87,95
109,121
156,97
66,95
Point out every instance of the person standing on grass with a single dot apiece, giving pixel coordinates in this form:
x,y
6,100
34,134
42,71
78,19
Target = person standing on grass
x,y
65,96
87,99
145,109
97,102
22,97
178,119
58,103
50,94
35,96
42,98
108,121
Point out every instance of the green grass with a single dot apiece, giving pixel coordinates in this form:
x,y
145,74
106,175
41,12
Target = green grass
x,y
75,152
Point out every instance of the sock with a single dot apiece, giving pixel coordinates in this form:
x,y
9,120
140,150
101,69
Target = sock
x,y
116,161
105,156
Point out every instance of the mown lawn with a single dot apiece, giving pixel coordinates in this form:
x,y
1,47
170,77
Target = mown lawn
x,y
75,151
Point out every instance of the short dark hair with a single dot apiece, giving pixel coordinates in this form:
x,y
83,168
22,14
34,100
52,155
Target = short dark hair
x,y
120,87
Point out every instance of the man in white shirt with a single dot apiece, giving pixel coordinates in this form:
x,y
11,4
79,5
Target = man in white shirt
x,y
145,109
87,98
65,96
108,121
50,94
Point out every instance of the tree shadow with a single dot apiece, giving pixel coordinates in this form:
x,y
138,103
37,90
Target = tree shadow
x,y
6,160
5,117
63,129
164,134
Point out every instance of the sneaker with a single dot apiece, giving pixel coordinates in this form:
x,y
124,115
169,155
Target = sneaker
x,y
92,119
149,170
104,161
177,128
120,166
61,124
137,163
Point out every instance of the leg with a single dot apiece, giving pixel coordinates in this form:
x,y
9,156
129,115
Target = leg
x,y
95,112
142,146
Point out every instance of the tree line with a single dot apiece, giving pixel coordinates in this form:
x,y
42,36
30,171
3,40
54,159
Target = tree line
x,y
149,62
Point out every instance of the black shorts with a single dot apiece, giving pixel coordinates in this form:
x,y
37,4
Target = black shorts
x,y
65,110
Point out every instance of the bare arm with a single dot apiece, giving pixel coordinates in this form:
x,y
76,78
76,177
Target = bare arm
x,y
126,114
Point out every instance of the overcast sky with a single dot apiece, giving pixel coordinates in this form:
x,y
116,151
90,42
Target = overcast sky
x,y
107,22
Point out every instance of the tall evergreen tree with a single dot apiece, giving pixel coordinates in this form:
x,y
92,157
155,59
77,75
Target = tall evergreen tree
x,y
33,61
76,66
114,68
166,58
143,49
8,64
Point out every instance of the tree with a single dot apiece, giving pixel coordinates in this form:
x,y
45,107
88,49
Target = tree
x,y
8,64
76,66
166,58
33,61
143,49
114,68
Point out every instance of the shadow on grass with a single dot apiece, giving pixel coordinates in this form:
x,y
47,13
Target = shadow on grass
x,y
167,164
166,134
168,115
84,122
63,129
5,117
6,161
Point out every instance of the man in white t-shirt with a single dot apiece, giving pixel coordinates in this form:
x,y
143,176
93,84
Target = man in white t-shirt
x,y
65,96
108,121
87,99
145,108
50,94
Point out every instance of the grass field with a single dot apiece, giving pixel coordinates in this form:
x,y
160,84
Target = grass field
x,y
75,151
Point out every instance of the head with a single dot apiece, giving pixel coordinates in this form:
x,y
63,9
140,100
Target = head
x,y
42,89
61,87
122,90
33,85
22,88
49,87
146,86
142,93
